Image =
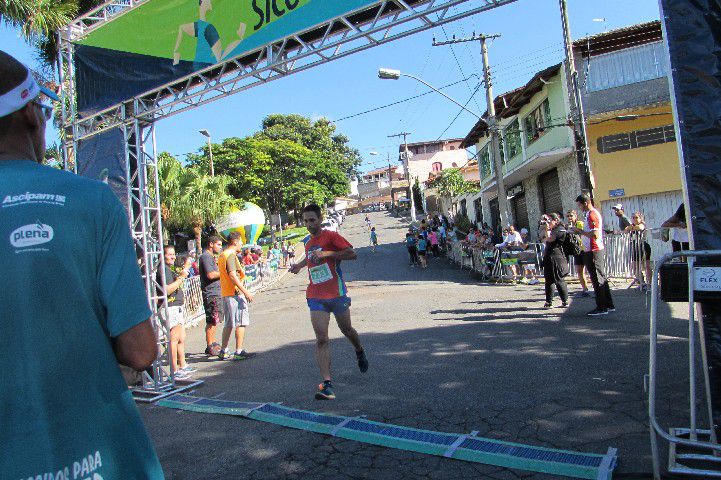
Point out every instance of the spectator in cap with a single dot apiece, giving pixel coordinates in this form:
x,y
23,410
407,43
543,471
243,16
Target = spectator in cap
x,y
623,221
74,299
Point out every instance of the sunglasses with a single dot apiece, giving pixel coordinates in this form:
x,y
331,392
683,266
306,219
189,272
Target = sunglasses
x,y
46,109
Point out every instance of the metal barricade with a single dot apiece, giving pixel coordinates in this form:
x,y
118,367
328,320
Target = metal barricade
x,y
629,255
193,301
455,252
706,451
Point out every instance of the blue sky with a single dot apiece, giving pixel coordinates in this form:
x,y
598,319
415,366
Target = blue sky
x,y
531,40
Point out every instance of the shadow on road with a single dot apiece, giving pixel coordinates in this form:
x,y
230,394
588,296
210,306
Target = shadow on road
x,y
570,382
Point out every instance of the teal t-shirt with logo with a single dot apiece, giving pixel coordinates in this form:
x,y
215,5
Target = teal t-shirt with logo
x,y
70,283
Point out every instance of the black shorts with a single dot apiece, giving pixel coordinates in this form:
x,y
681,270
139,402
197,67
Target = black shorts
x,y
578,260
421,253
213,314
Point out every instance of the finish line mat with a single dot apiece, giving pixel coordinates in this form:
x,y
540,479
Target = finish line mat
x,y
466,447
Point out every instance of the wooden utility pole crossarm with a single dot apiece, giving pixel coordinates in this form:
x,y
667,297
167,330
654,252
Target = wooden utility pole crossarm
x,y
492,122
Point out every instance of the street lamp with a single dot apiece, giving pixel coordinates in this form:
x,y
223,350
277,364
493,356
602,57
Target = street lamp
x,y
206,133
390,74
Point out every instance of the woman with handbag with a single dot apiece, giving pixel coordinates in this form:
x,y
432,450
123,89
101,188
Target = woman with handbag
x,y
555,266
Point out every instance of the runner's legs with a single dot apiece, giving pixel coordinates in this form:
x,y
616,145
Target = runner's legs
x,y
320,321
344,323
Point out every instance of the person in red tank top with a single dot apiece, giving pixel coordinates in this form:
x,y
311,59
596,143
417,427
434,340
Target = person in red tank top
x,y
593,255
327,293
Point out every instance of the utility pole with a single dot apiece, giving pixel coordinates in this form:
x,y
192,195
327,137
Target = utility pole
x,y
405,167
577,116
492,124
390,177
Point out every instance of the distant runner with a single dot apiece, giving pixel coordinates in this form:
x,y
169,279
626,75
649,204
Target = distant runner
x,y
327,293
374,239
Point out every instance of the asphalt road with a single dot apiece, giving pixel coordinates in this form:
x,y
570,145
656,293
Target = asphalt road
x,y
446,353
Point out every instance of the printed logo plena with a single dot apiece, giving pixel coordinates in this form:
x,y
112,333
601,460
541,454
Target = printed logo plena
x,y
31,235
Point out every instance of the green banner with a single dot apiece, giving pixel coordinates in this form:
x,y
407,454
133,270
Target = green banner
x,y
206,32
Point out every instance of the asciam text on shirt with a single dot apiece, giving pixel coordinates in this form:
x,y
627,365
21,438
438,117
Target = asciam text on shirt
x,y
83,469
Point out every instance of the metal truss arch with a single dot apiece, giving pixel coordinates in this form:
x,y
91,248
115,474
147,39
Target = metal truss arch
x,y
373,25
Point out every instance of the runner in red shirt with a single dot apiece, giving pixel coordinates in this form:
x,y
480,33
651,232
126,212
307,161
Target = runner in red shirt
x,y
327,293
593,256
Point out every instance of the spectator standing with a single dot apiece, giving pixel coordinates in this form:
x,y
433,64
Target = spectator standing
x,y
291,254
210,287
593,255
623,221
640,250
442,235
433,240
411,245
236,299
75,299
555,267
677,221
575,223
275,252
374,239
284,250
422,247
174,278
247,257
471,237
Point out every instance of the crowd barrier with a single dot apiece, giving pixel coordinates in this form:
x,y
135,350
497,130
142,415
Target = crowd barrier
x,y
257,277
193,303
628,256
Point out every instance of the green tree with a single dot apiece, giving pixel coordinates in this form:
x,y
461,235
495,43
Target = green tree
x,y
451,183
191,199
292,161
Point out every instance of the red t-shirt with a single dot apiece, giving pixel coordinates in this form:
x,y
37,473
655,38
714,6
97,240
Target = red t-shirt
x,y
326,278
593,222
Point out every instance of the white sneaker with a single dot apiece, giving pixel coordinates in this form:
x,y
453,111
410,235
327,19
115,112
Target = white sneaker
x,y
534,281
188,369
181,375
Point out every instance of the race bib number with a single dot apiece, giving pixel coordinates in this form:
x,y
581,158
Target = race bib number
x,y
320,274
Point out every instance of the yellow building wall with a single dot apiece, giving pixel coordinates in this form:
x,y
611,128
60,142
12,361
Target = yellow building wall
x,y
639,171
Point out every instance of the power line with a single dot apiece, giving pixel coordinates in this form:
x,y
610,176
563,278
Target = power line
x,y
458,63
460,111
402,101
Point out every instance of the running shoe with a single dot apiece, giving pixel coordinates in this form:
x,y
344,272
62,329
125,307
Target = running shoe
x,y
547,305
213,349
188,369
181,375
223,355
611,309
325,391
534,281
598,311
563,305
362,361
243,355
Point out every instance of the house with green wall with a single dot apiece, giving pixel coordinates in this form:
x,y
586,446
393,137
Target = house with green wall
x,y
538,153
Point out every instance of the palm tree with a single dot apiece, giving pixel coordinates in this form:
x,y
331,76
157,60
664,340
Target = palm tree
x,y
37,18
191,199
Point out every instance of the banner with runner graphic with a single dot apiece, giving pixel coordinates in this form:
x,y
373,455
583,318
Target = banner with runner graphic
x,y
165,40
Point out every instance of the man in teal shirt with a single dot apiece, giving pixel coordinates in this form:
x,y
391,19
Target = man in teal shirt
x,y
73,307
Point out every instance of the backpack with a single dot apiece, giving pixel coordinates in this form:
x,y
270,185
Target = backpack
x,y
571,244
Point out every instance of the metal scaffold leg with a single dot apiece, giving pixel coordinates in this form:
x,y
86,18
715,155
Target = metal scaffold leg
x,y
146,227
